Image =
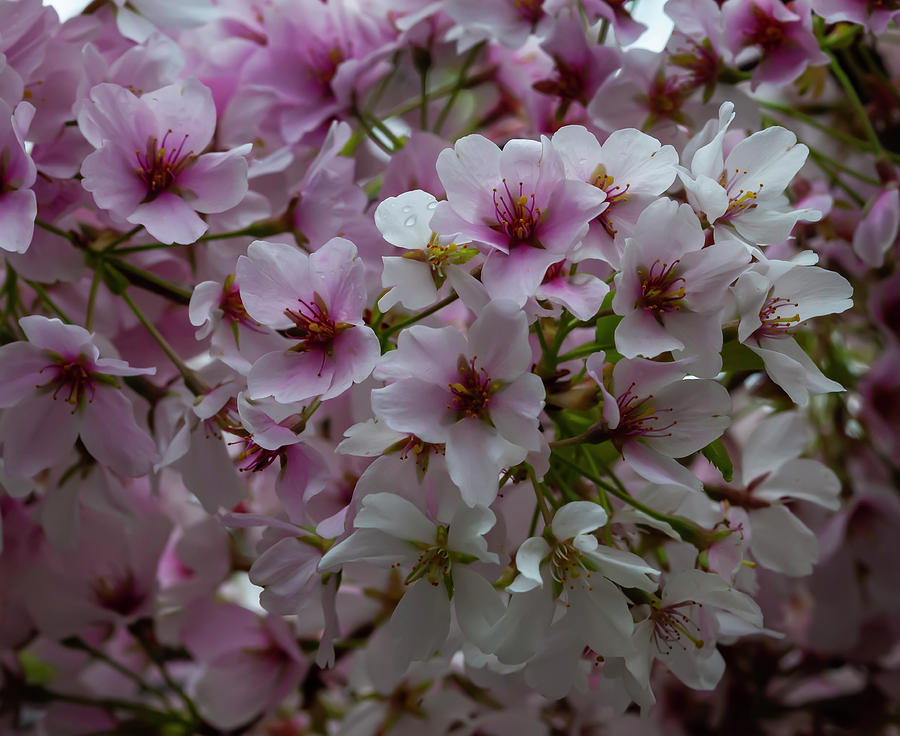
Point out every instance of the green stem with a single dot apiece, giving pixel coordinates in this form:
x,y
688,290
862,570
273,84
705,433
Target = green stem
x,y
811,121
815,153
423,105
582,351
442,91
686,529
48,302
191,380
123,238
146,246
100,655
151,649
604,29
370,132
836,180
55,230
855,102
458,86
420,316
539,493
92,299
151,282
36,694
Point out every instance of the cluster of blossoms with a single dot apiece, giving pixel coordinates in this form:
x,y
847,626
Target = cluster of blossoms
x,y
450,368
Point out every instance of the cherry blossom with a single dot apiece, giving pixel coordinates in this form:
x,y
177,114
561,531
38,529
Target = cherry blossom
x,y
773,299
670,289
18,204
655,415
150,167
474,395
316,301
746,189
519,204
502,373
56,389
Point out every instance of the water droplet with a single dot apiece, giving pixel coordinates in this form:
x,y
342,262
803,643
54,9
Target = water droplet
x,y
431,205
406,209
410,221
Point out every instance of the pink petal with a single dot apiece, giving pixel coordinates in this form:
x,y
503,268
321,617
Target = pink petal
x,y
111,435
17,212
415,407
215,182
169,219
356,351
20,372
272,276
187,109
291,376
110,177
37,434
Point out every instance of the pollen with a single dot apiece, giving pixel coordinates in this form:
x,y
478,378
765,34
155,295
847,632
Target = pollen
x,y
159,166
517,215
662,289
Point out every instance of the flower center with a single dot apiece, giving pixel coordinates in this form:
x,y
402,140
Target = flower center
x,y
662,289
119,593
671,627
664,99
159,166
530,10
253,458
568,569
471,394
73,376
639,418
434,563
701,60
232,306
614,195
768,33
568,83
774,322
742,199
324,63
517,216
312,325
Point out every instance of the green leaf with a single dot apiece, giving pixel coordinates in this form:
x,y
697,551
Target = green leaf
x,y
37,672
737,358
606,330
114,280
716,453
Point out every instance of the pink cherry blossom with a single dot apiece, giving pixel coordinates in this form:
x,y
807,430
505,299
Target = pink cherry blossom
x,y
781,35
655,415
631,167
671,289
773,299
150,168
55,389
476,395
316,301
18,204
519,204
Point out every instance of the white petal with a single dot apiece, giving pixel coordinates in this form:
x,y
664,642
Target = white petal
x,y
781,542
578,517
805,479
776,440
394,515
528,562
